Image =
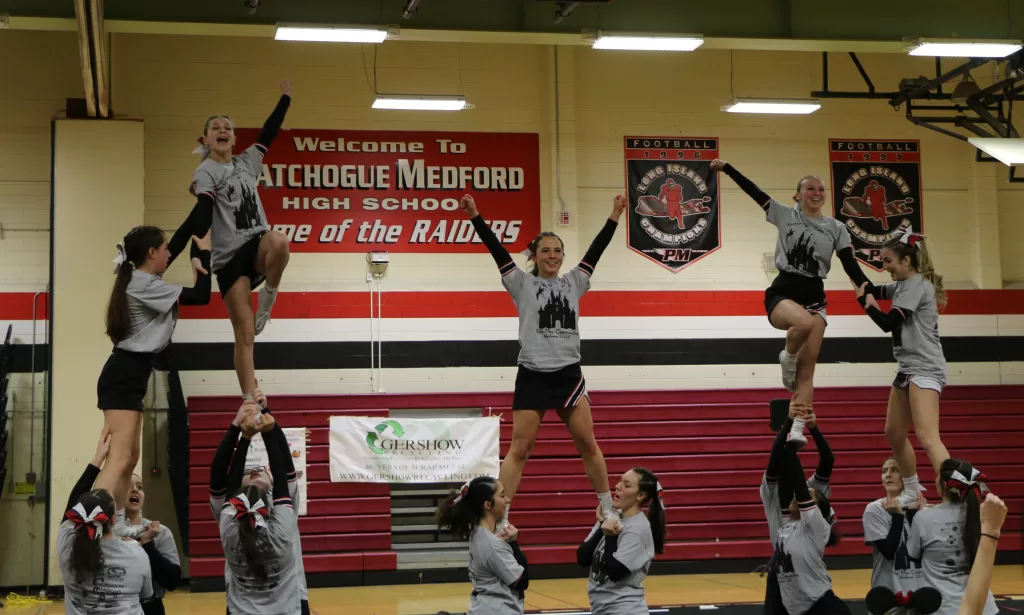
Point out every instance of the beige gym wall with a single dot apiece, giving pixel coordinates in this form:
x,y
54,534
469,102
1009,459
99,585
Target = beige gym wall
x,y
41,71
97,189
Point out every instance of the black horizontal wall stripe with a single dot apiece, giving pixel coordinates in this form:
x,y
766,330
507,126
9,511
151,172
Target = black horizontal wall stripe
x,y
503,353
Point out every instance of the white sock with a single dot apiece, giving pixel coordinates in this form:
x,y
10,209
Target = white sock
x,y
911,484
606,502
798,426
790,358
266,299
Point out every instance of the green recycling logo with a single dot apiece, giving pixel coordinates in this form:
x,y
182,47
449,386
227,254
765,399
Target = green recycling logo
x,y
373,437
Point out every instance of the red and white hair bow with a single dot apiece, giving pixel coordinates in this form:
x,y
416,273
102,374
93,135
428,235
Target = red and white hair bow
x,y
92,522
257,511
911,238
960,484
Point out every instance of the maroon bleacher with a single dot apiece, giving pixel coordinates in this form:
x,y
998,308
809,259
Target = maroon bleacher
x,y
715,443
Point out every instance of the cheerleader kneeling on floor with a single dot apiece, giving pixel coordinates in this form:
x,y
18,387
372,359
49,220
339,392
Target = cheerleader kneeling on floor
x,y
498,569
619,552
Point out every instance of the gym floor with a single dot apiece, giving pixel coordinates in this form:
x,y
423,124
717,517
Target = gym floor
x,y
733,594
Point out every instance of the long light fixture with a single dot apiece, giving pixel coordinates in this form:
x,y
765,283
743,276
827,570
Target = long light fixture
x,y
420,103
1007,151
330,34
964,48
779,107
634,42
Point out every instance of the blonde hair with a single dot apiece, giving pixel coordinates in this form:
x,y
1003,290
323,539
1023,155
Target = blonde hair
x,y
922,262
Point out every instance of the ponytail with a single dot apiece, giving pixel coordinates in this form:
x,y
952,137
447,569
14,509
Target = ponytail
x,y
92,515
913,246
252,535
131,253
649,486
462,511
531,251
963,483
927,269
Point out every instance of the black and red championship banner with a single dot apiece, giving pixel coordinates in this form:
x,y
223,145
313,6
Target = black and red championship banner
x,y
673,199
363,190
876,191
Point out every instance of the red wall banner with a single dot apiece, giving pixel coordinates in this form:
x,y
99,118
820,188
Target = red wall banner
x,y
362,190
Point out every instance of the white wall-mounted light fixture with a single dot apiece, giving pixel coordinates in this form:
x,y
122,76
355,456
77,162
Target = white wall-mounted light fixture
x,y
773,106
962,48
642,42
421,103
334,34
1007,151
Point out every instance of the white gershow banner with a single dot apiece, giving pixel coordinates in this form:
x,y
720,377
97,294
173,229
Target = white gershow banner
x,y
440,450
257,456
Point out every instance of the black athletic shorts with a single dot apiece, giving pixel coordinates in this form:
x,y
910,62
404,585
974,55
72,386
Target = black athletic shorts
x,y
555,390
243,263
805,291
124,380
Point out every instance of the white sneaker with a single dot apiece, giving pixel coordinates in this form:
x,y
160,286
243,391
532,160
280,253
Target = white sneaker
x,y
788,371
262,320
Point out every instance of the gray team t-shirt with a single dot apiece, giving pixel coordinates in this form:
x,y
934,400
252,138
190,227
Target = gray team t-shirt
x,y
902,573
153,310
238,213
635,551
549,336
915,344
805,244
800,557
773,509
493,570
937,538
124,581
279,594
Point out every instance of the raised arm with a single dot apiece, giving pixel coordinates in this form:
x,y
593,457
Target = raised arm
x,y
501,256
92,470
604,236
852,268
198,224
199,294
759,196
273,124
826,459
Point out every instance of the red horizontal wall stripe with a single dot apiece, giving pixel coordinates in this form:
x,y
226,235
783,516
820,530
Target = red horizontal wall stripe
x,y
492,304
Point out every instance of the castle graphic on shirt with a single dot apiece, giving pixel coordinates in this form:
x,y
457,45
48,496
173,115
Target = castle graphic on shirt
x,y
800,253
783,561
556,316
597,572
247,214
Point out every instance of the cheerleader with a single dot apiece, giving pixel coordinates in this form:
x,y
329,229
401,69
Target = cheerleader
x,y
620,549
498,569
886,529
141,316
946,537
917,295
229,473
245,251
799,542
549,375
102,572
157,540
803,255
258,541
776,489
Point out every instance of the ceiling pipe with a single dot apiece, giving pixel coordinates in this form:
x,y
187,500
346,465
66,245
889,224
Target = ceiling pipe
x,y
411,7
564,9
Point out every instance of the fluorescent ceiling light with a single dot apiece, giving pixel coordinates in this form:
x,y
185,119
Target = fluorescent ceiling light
x,y
331,35
784,107
648,43
421,103
1006,151
953,48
